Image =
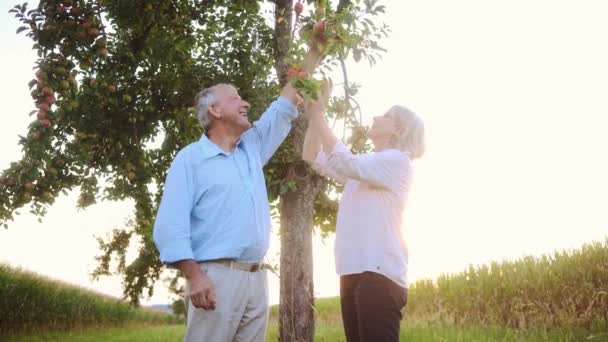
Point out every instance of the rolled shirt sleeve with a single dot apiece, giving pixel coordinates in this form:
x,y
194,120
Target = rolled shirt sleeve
x,y
380,169
322,166
172,226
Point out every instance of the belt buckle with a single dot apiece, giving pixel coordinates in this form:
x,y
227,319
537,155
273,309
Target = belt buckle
x,y
255,268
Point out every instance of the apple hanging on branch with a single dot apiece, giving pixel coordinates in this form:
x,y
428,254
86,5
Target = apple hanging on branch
x,y
298,8
298,73
334,35
307,86
324,31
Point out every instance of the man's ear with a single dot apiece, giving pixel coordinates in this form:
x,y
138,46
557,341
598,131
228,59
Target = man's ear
x,y
214,112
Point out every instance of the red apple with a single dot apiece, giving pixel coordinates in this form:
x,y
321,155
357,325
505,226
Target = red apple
x,y
41,115
29,186
93,32
82,34
45,123
50,100
61,9
319,28
298,8
103,53
302,74
47,91
75,11
291,72
11,181
86,24
43,106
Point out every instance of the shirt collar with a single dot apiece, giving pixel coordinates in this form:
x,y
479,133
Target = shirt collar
x,y
210,149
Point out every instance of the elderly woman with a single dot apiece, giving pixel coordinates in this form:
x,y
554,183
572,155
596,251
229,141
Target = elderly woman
x,y
370,251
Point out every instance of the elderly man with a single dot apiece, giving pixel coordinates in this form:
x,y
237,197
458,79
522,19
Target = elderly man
x,y
213,222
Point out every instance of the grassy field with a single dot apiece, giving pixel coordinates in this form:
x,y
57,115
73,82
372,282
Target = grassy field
x,y
29,301
567,288
329,328
560,297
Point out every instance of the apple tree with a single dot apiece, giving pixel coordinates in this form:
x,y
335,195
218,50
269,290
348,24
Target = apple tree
x,y
112,93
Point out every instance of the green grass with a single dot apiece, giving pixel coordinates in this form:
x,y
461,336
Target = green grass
x,y
409,332
329,328
159,333
31,302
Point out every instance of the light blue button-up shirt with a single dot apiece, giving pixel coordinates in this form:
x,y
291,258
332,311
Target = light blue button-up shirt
x,y
215,204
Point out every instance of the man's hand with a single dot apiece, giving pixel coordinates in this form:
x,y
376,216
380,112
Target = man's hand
x,y
291,94
202,292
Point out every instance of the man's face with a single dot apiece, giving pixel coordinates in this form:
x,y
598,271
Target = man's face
x,y
230,109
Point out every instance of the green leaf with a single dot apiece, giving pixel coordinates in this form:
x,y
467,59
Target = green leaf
x,y
21,29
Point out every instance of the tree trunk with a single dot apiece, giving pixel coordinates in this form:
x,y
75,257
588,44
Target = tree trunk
x,y
297,288
296,322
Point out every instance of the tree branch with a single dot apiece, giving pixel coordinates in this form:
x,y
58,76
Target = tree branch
x,y
282,40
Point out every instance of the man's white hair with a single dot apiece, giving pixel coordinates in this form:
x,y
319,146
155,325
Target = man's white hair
x,y
202,101
410,128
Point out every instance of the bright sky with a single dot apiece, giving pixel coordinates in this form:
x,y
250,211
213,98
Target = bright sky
x,y
513,95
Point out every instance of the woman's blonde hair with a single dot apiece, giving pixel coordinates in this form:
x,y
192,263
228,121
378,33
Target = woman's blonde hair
x,y
410,131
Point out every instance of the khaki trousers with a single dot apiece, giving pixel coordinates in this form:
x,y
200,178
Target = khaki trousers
x,y
241,312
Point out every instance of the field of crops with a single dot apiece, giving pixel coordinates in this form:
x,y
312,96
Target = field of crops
x,y
568,288
30,302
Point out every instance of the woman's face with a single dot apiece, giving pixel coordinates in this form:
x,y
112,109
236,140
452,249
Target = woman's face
x,y
383,127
